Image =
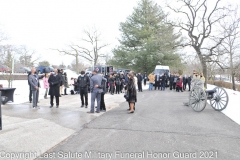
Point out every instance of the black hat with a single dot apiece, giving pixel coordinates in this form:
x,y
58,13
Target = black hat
x,y
82,72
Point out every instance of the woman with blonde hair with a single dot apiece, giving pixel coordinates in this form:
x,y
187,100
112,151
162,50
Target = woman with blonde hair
x,y
45,84
132,92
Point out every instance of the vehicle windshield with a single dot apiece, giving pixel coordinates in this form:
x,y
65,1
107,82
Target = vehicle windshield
x,y
161,71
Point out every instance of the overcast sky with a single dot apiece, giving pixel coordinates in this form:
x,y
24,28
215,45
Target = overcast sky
x,y
45,24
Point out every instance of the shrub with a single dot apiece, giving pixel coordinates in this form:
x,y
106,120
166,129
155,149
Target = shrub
x,y
224,84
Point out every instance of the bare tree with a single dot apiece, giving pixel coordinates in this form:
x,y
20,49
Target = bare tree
x,y
91,53
201,20
25,56
8,51
71,52
231,44
89,48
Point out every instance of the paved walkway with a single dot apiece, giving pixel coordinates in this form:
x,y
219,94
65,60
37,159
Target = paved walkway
x,y
160,128
38,130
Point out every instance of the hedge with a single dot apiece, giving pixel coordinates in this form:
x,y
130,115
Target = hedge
x,y
224,84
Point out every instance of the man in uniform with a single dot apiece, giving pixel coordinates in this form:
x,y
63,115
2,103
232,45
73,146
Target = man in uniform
x,y
96,90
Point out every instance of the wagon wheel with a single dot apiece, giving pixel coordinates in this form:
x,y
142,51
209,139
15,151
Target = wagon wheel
x,y
220,99
197,99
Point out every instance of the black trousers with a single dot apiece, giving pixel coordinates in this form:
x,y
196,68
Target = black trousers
x,y
30,94
184,85
157,85
102,104
84,93
140,86
144,81
174,85
111,88
51,100
171,85
117,89
189,86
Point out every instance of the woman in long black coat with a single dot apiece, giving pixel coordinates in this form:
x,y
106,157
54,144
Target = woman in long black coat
x,y
54,83
132,92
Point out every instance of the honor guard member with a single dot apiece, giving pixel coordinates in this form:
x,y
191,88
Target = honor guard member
x,y
96,90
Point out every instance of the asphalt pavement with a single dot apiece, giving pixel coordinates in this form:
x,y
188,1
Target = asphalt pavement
x,y
160,128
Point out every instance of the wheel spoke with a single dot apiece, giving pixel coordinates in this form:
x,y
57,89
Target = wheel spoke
x,y
222,104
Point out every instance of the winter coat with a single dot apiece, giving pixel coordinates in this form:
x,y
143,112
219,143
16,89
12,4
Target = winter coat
x,y
54,83
131,89
151,78
65,81
171,79
139,78
45,82
179,82
83,81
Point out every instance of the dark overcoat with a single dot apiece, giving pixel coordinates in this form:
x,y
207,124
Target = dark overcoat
x,y
131,89
54,83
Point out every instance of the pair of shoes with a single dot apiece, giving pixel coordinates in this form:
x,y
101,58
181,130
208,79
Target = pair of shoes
x,y
82,106
103,110
131,112
51,106
90,112
57,106
97,111
86,106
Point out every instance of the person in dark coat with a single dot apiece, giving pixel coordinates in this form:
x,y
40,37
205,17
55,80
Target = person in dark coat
x,y
171,79
163,82
54,83
118,83
139,82
30,91
104,87
65,83
175,81
189,79
111,84
132,92
145,76
184,79
83,84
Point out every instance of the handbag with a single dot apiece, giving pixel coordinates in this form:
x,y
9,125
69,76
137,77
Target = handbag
x,y
126,95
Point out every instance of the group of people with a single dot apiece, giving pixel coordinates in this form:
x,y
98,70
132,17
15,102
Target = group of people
x,y
54,84
98,85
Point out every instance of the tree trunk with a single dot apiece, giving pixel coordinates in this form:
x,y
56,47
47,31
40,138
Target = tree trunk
x,y
204,68
76,58
232,72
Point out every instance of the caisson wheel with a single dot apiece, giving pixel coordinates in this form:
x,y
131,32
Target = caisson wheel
x,y
220,99
197,99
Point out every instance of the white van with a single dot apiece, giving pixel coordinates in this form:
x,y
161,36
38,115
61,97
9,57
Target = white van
x,y
162,69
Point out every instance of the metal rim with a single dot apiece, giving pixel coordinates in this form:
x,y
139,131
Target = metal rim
x,y
197,99
220,99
